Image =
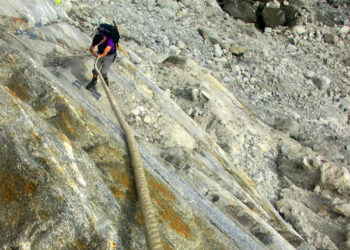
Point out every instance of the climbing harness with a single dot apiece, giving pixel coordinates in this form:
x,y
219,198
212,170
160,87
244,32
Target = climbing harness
x,y
151,225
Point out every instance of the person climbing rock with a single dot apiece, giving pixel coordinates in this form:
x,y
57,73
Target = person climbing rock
x,y
106,52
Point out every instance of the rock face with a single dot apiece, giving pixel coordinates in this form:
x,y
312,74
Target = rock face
x,y
244,136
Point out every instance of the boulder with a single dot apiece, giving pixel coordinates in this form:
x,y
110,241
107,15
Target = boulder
x,y
241,9
273,16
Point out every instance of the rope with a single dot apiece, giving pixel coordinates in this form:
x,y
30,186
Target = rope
x,y
151,225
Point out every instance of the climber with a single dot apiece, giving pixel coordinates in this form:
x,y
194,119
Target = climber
x,y
106,53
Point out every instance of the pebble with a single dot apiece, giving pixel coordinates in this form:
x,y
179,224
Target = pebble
x,y
217,50
147,119
299,29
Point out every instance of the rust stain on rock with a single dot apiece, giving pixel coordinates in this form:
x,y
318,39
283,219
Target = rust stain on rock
x,y
165,200
19,91
67,123
174,220
161,190
30,188
15,188
18,22
118,193
80,244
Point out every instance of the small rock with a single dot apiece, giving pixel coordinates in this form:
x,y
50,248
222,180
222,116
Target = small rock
x,y
165,41
322,83
206,95
342,209
174,51
134,58
168,92
225,45
147,119
189,111
309,74
268,30
137,118
344,30
346,245
238,50
135,112
317,189
299,29
346,61
180,44
318,36
273,16
300,3
217,50
331,38
196,112
306,246
195,95
273,4
334,177
310,163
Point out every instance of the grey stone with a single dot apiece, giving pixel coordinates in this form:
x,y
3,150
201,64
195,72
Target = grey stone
x,y
238,50
292,16
268,30
305,246
134,58
334,177
331,38
195,95
174,51
344,30
241,9
147,119
209,35
299,29
180,44
322,83
300,3
346,61
217,50
309,74
318,36
273,17
342,209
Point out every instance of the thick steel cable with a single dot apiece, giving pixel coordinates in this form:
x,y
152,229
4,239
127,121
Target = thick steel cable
x,y
150,222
